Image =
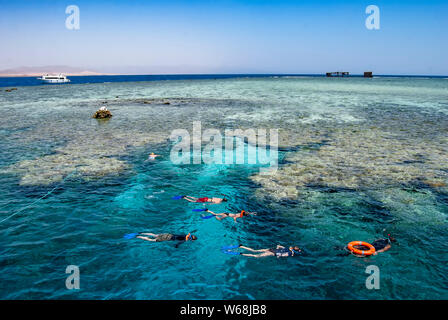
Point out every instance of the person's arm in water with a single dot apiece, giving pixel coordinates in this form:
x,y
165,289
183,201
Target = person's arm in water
x,y
178,244
280,247
384,249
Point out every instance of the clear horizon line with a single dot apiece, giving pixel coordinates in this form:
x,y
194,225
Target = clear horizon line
x,y
99,74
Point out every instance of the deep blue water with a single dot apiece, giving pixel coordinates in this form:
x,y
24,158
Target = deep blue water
x,y
32,81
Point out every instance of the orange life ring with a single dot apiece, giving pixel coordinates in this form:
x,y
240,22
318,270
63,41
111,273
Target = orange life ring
x,y
351,247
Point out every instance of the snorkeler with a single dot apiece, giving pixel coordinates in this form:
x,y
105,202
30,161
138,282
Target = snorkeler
x,y
278,251
153,156
380,245
223,215
153,237
204,199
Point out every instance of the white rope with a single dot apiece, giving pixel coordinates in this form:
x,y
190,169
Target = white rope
x,y
44,196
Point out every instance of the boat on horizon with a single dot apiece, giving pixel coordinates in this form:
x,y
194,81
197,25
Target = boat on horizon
x,y
54,78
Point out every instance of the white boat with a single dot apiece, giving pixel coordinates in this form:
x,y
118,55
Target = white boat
x,y
54,79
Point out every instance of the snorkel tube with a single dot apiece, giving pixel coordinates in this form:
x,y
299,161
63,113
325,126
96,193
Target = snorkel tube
x,y
294,252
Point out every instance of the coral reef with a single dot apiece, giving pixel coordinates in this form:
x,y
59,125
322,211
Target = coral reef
x,y
359,159
94,157
102,113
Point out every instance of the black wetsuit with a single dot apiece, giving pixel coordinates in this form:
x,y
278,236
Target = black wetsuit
x,y
380,244
179,237
281,252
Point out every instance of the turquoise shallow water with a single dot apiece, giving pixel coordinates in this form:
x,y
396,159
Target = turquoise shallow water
x,y
357,156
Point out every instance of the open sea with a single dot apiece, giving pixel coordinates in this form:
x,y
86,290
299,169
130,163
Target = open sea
x,y
358,158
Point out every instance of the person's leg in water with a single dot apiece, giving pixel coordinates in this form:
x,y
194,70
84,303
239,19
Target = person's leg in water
x,y
219,216
261,255
146,238
190,199
253,250
263,252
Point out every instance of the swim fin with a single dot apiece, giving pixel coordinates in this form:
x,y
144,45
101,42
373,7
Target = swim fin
x,y
200,210
230,247
226,250
131,235
234,253
177,197
207,217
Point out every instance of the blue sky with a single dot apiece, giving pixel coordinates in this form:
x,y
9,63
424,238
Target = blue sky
x,y
199,36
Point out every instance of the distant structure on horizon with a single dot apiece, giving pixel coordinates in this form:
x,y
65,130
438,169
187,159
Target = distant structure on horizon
x,y
338,74
367,74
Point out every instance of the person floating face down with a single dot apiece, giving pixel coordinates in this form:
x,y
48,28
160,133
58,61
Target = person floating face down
x,y
380,245
279,252
153,156
235,216
205,200
153,237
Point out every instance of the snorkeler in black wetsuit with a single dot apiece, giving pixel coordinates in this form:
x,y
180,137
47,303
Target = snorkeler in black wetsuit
x,y
181,238
380,245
